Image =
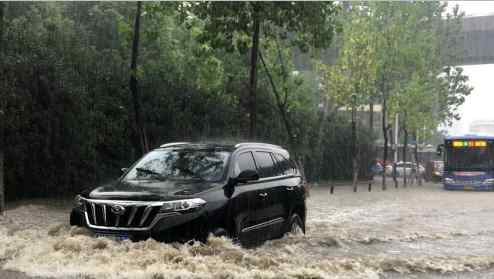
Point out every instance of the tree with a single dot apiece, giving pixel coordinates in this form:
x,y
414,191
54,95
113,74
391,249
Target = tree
x,y
2,118
240,25
139,121
392,52
351,82
429,93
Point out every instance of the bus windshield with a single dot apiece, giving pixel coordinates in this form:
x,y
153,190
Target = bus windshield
x,y
469,158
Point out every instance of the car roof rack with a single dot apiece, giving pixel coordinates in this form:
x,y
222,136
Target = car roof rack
x,y
259,144
174,144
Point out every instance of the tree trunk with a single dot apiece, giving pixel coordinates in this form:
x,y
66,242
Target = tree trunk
x,y
253,75
405,147
385,136
279,104
416,153
395,137
2,120
2,185
1,26
355,168
371,117
133,84
354,149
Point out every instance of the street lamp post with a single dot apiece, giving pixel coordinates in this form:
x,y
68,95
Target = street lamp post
x,y
354,143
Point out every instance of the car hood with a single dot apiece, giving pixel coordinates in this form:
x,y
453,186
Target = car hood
x,y
146,190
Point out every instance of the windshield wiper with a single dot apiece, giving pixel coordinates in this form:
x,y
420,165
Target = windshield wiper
x,y
151,172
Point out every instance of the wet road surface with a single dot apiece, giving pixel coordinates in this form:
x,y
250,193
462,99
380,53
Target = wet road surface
x,y
413,232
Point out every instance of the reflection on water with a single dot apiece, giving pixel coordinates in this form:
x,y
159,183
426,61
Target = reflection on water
x,y
419,231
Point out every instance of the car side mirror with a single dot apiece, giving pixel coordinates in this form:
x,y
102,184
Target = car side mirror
x,y
124,170
439,150
247,175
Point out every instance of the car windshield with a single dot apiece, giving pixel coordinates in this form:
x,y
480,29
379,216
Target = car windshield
x,y
182,164
469,159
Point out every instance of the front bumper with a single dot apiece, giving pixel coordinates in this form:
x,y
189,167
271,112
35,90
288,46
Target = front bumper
x,y
472,187
165,227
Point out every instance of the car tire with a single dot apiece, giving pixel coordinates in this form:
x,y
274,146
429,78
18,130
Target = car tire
x,y
295,226
76,218
219,232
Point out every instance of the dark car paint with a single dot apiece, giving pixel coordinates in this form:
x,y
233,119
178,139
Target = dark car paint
x,y
150,190
254,210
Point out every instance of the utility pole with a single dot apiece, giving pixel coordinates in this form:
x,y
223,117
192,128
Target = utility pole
x,y
354,144
397,124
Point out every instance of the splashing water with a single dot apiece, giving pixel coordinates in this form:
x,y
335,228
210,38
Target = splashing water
x,y
349,235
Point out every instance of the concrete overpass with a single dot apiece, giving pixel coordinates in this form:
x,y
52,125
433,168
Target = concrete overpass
x,y
478,45
478,40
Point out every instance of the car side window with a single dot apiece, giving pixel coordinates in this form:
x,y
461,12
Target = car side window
x,y
285,165
245,161
277,166
265,164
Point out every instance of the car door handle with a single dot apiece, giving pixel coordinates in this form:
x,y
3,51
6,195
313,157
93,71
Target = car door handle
x,y
291,188
263,195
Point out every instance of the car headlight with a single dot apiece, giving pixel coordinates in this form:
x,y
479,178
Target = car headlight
x,y
182,205
488,181
449,180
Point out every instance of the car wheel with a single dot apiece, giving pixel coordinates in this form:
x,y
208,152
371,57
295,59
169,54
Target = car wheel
x,y
219,232
76,218
295,227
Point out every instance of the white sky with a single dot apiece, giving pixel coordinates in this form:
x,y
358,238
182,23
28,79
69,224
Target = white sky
x,y
474,8
480,104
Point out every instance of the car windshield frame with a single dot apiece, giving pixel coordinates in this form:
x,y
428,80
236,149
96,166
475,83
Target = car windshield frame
x,y
131,174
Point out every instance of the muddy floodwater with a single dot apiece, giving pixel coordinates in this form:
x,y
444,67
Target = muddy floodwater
x,y
417,232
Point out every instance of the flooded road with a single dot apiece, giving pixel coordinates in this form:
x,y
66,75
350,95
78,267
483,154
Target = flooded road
x,y
414,232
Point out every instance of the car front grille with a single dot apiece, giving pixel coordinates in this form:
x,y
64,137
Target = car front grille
x,y
120,215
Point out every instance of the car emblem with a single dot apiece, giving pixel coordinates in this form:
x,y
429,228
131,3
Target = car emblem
x,y
117,209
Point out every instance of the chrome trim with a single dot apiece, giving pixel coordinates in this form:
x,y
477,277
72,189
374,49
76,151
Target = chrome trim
x,y
145,215
93,208
104,215
132,215
134,208
142,203
264,224
158,217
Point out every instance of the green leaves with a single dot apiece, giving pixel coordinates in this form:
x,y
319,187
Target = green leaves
x,y
396,51
228,25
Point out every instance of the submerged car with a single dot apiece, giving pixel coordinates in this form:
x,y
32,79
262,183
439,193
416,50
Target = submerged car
x,y
181,191
434,171
402,168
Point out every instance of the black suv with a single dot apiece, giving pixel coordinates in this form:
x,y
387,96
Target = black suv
x,y
181,191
